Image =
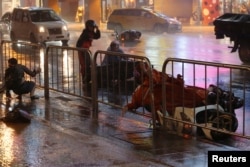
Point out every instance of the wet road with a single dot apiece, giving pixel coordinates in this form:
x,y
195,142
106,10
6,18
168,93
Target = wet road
x,y
62,134
197,43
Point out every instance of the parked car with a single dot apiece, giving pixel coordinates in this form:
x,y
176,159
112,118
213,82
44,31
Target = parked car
x,y
5,23
38,25
142,19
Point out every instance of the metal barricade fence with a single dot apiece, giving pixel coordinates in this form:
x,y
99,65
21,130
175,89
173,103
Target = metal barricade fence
x,y
30,55
214,98
122,76
62,71
114,81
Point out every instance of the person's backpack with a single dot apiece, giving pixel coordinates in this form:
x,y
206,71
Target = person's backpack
x,y
13,78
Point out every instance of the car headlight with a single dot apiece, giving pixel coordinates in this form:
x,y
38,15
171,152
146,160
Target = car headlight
x,y
170,22
65,28
41,29
173,21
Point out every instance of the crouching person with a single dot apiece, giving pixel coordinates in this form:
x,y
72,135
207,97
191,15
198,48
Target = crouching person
x,y
14,80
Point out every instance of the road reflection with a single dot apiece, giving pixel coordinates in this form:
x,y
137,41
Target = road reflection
x,y
7,144
67,64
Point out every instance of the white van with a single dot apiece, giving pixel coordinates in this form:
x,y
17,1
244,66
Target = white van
x,y
38,25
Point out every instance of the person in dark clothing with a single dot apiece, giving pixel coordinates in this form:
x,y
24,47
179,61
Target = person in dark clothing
x,y
113,47
14,80
89,33
115,66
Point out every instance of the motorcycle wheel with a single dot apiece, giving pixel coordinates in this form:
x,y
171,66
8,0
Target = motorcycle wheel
x,y
244,52
225,122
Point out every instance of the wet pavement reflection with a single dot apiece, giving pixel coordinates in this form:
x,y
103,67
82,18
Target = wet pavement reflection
x,y
62,132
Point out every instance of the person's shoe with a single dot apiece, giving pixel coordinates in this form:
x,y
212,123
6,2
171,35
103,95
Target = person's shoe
x,y
34,97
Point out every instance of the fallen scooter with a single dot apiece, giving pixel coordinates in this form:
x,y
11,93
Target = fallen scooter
x,y
128,35
212,107
219,113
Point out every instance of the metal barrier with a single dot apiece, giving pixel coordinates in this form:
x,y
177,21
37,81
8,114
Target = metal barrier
x,y
27,54
113,76
224,115
62,71
118,77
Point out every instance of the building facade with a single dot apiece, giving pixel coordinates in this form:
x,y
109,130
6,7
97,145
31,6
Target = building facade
x,y
200,12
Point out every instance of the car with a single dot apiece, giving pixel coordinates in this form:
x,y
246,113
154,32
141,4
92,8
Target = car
x,y
38,25
5,23
142,19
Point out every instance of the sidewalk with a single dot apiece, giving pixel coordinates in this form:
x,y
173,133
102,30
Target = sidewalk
x,y
62,134
59,135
